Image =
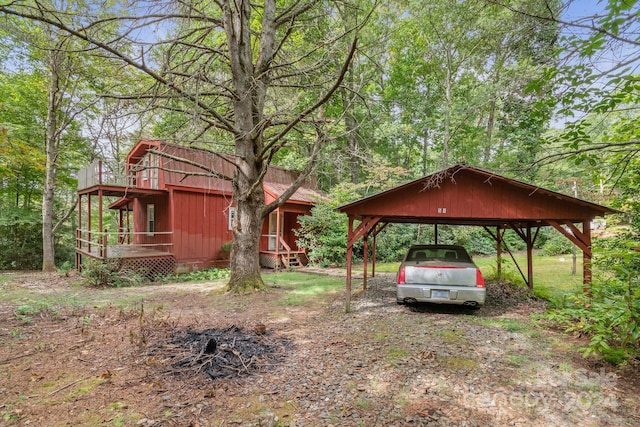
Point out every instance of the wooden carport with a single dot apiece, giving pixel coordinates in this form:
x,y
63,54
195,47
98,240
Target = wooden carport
x,y
466,195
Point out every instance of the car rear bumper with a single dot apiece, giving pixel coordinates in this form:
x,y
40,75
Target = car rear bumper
x,y
441,294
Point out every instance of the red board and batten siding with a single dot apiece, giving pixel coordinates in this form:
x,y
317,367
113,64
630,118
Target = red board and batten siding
x,y
162,220
290,225
469,196
200,226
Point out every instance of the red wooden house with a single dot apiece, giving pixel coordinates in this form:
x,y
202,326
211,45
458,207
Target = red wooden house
x,y
169,215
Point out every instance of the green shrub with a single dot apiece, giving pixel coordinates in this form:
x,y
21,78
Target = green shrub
x,y
226,247
557,245
475,239
211,274
393,242
109,273
508,274
29,308
65,268
323,234
610,313
20,238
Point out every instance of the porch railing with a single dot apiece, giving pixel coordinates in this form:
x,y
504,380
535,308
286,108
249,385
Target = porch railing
x,y
117,244
103,173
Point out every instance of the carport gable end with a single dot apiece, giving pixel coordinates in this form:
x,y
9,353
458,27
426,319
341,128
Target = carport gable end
x,y
467,195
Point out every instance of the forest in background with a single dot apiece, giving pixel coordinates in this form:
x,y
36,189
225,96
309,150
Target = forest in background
x,y
541,91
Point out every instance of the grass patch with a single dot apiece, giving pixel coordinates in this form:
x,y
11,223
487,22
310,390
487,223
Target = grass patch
x,y
302,288
207,275
86,387
512,325
455,363
518,359
450,335
383,267
395,355
551,275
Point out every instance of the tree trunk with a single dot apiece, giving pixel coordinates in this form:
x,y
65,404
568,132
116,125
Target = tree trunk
x,y
492,106
51,152
425,152
250,84
351,126
447,113
247,229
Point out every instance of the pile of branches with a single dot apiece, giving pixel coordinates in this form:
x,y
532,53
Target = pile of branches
x,y
505,294
222,353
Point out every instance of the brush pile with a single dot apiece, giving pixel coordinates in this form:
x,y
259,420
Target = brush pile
x,y
222,353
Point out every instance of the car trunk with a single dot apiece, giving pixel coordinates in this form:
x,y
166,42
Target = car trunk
x,y
438,274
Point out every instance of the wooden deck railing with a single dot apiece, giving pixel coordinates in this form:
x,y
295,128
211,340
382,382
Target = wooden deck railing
x,y
103,173
105,244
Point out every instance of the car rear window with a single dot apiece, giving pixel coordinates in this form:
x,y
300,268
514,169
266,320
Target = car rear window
x,y
442,254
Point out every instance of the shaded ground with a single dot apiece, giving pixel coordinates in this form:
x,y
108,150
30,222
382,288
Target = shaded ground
x,y
69,357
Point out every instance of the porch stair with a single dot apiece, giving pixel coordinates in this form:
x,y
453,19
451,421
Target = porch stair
x,y
291,260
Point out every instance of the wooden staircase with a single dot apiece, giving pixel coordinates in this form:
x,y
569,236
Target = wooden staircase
x,y
291,259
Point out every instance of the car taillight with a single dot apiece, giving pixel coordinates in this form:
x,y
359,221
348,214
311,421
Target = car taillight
x,y
479,279
401,278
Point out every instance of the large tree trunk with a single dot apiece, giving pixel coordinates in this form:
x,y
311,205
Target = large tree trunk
x,y
351,126
446,137
250,84
247,229
51,151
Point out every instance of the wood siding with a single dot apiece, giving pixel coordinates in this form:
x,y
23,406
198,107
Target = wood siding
x,y
200,226
468,195
162,222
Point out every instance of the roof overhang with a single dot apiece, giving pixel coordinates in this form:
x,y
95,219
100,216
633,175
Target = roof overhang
x,y
122,203
117,191
440,189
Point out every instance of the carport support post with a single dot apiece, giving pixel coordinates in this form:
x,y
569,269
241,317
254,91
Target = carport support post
x,y
499,252
373,255
364,260
349,260
529,242
100,207
586,257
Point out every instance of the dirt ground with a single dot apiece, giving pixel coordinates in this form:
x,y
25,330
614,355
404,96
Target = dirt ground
x,y
189,355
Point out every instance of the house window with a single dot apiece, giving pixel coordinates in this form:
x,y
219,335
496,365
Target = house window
x,y
151,219
273,230
154,163
145,168
232,216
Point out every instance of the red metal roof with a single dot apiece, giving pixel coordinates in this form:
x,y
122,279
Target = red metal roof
x,y
303,194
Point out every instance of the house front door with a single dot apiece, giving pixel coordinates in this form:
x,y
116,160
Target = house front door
x,y
274,230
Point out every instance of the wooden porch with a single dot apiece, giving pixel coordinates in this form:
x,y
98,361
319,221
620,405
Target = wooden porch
x,y
150,259
278,260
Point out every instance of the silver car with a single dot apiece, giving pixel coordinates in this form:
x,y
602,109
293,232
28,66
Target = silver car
x,y
442,274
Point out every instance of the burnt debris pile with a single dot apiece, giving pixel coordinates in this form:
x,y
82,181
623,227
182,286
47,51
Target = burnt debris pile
x,y
227,352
